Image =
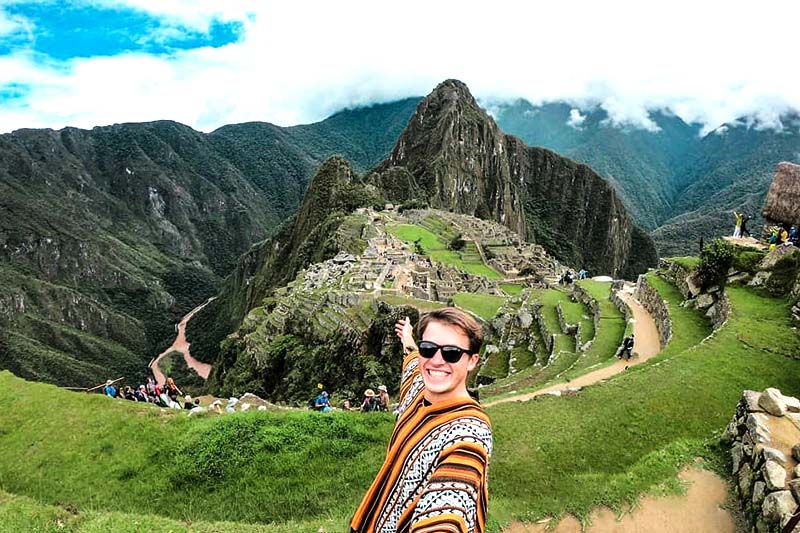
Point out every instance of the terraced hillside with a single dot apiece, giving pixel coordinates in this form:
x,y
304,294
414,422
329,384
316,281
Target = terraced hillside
x,y
332,323
299,471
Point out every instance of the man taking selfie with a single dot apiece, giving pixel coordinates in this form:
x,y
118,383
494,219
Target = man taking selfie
x,y
434,478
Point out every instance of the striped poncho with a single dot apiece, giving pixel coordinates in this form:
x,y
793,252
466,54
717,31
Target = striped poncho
x,y
434,475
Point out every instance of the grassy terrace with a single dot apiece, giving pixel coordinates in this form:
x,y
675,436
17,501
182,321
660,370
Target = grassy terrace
x,y
483,305
98,465
608,336
467,260
422,305
634,432
512,289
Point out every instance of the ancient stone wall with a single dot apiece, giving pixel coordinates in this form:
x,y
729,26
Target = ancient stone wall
x,y
547,335
657,307
677,275
764,436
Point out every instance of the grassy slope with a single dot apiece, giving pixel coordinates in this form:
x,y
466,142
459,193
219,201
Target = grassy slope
x,y
437,250
553,455
483,305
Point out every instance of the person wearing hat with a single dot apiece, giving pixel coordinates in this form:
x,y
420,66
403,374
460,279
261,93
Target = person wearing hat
x,y
434,477
322,403
109,389
370,402
383,398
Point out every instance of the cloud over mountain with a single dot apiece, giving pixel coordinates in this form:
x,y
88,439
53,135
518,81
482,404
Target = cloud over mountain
x,y
210,63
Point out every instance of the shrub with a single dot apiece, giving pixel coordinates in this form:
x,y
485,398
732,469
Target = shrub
x,y
715,261
746,260
457,243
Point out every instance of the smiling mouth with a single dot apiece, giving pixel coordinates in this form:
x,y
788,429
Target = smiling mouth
x,y
437,373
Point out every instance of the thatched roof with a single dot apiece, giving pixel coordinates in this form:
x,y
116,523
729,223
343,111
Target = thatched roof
x,y
783,198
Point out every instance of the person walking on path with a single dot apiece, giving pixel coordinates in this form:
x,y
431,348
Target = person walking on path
x,y
434,478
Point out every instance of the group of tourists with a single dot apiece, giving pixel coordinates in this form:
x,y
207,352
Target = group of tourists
x,y
783,235
168,395
371,402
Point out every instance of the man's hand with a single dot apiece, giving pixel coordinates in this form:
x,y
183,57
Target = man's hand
x,y
405,332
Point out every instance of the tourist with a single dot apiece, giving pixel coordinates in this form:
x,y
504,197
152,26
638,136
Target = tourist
x,y
773,238
187,403
231,408
322,403
419,487
383,398
784,236
370,402
109,389
737,229
627,346
793,237
151,387
582,274
172,386
141,394
744,231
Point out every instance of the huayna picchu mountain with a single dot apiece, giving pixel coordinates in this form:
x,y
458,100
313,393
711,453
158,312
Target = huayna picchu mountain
x,y
453,156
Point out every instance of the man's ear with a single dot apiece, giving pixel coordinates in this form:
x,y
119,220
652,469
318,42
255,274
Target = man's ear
x,y
473,361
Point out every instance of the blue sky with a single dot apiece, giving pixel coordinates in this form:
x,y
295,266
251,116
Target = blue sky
x,y
66,31
207,63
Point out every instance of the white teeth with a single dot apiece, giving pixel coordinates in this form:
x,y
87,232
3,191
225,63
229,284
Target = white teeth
x,y
437,373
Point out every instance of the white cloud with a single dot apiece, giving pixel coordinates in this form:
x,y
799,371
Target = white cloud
x,y
576,120
299,61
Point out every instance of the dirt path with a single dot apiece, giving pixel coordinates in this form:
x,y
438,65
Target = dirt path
x,y
647,345
182,346
698,511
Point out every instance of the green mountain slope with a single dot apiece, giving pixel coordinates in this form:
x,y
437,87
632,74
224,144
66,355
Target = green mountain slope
x,y
135,224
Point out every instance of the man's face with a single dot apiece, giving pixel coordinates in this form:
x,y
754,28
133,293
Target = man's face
x,y
443,380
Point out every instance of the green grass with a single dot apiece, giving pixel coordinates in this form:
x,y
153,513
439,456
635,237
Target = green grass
x,y
512,289
422,305
434,247
95,453
128,467
553,457
688,262
483,305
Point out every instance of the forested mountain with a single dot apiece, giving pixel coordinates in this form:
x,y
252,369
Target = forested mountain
x,y
108,236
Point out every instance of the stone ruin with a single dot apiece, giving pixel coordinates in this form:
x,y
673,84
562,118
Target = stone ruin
x,y
764,435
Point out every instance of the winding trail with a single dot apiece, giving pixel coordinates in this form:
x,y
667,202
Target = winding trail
x,y
182,345
700,510
647,346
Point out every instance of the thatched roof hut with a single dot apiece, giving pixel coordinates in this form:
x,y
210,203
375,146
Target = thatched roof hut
x,y
783,199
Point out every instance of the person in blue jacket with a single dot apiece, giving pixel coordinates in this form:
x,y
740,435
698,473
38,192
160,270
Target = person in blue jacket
x,y
110,391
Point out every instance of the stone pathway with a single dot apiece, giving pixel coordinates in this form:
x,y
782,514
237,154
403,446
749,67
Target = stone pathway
x,y
647,346
182,345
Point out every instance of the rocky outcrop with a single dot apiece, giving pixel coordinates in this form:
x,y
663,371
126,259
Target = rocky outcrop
x,y
657,307
766,478
453,155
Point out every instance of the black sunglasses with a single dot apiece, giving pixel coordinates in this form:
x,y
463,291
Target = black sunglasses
x,y
451,354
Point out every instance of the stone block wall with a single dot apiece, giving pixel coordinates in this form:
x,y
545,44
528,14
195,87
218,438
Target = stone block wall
x,y
764,437
675,274
547,336
657,307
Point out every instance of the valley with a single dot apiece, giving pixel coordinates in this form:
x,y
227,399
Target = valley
x,y
285,270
